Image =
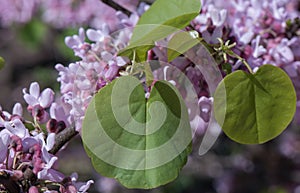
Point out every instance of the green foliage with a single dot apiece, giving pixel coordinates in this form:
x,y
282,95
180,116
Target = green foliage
x,y
2,63
156,24
255,108
33,33
181,42
141,142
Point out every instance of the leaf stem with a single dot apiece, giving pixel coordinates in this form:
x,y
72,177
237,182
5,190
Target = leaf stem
x,y
244,62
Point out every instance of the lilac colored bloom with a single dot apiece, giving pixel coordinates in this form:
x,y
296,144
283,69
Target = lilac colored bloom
x,y
81,80
205,105
59,113
47,173
218,17
282,53
4,142
16,127
20,11
38,102
80,186
34,97
98,35
258,49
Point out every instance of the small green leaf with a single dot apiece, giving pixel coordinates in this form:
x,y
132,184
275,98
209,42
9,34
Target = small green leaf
x,y
156,24
143,143
2,63
255,108
227,68
180,43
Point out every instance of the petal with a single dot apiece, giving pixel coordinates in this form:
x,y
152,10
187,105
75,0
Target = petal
x,y
70,42
46,98
16,127
50,174
106,56
111,72
74,177
3,147
50,141
31,100
86,186
81,34
246,37
34,89
17,110
94,35
51,162
120,61
44,118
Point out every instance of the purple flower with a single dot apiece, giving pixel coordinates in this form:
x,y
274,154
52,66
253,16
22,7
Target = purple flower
x,y
16,127
218,17
258,49
205,105
58,112
4,142
282,53
98,35
80,186
77,43
34,97
38,102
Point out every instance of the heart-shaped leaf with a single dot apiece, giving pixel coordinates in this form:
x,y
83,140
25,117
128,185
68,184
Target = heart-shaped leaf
x,y
255,108
181,42
141,142
156,24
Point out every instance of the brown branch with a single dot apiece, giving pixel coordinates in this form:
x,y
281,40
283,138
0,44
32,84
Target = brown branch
x,y
147,1
62,138
117,7
9,184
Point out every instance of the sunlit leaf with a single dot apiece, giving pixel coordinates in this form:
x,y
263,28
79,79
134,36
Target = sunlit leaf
x,y
162,19
141,142
257,107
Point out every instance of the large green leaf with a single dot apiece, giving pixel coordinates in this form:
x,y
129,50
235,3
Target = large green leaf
x,y
181,42
143,143
160,20
255,108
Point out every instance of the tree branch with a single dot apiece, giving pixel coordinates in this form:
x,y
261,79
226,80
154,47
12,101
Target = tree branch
x,y
62,138
147,1
9,184
117,7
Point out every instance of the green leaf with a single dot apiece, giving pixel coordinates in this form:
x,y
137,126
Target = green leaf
x,y
156,24
143,143
180,43
255,108
33,33
2,63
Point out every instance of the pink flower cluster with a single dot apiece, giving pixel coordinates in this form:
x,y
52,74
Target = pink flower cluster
x,y
62,14
98,66
25,146
265,32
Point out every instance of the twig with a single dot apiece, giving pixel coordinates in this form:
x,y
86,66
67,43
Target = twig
x,y
116,6
62,138
9,184
147,1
